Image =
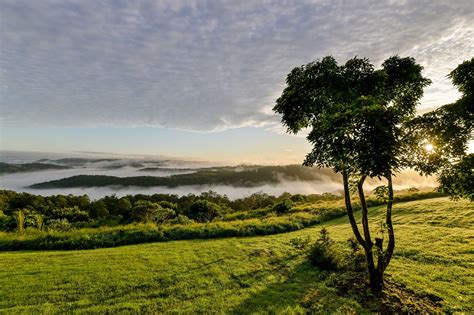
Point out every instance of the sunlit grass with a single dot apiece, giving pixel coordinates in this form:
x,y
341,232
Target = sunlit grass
x,y
434,255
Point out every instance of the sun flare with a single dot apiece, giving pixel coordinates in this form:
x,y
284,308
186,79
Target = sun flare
x,y
429,147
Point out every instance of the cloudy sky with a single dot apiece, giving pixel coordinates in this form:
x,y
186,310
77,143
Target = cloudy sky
x,y
197,78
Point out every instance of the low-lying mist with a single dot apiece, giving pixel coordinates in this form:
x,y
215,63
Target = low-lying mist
x,y
135,167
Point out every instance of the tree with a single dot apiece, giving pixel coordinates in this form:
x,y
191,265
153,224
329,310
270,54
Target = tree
x,y
145,211
356,116
98,209
203,211
447,131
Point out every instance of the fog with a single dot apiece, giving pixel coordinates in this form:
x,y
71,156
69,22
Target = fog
x,y
121,167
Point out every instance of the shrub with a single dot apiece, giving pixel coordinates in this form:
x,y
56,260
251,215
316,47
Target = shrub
x,y
163,215
60,225
204,211
7,223
181,219
354,260
145,211
322,254
72,214
283,207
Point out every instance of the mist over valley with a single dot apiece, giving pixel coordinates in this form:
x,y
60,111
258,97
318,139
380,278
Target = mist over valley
x,y
99,176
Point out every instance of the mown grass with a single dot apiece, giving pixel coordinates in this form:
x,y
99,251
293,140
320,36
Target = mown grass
x,y
434,256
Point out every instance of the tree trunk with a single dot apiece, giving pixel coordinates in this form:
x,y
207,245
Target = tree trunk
x,y
388,221
376,281
375,272
350,211
376,278
363,203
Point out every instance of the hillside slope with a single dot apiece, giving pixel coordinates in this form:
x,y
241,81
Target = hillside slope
x,y
434,256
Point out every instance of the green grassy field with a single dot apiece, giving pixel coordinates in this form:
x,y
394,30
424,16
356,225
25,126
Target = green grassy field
x,y
434,256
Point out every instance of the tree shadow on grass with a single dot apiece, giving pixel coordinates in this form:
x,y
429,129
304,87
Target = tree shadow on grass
x,y
301,289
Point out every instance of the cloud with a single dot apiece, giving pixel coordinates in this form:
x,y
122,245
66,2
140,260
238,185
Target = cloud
x,y
203,65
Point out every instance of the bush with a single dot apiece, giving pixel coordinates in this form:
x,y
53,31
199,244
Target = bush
x,y
283,207
60,225
355,259
181,219
322,254
145,211
203,211
72,214
163,215
7,223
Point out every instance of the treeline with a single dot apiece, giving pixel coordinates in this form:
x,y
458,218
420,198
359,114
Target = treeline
x,y
74,222
245,178
20,211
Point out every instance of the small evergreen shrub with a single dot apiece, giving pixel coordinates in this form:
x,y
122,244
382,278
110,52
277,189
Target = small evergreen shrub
x,y
322,254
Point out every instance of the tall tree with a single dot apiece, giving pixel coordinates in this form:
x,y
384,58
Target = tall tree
x,y
447,131
357,117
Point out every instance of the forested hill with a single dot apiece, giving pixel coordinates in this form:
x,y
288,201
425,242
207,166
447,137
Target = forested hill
x,y
6,168
244,178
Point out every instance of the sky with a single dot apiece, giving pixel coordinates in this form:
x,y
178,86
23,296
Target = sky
x,y
198,79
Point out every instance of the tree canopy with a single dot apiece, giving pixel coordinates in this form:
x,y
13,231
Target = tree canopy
x,y
357,118
354,111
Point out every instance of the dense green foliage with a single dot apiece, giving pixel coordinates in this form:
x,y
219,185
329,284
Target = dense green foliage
x,y
448,130
247,275
6,168
155,220
458,179
354,111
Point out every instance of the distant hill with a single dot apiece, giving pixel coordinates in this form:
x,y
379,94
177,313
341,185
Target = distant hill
x,y
250,176
6,168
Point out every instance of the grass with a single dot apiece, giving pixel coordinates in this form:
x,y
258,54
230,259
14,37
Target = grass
x,y
434,257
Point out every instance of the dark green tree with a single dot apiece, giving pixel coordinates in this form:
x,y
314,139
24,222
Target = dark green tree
x,y
203,211
447,132
356,117
145,211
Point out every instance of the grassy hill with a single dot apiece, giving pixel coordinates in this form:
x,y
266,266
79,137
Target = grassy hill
x,y
434,257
